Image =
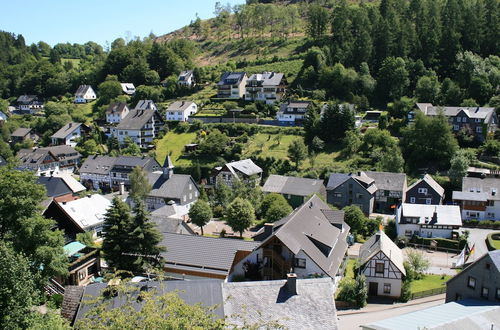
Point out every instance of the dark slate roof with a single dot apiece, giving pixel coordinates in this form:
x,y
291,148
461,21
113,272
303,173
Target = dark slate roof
x,y
431,182
63,152
483,185
172,188
133,161
98,165
206,292
66,130
117,107
27,99
336,179
55,186
294,107
136,119
72,296
495,257
146,105
231,78
179,106
292,185
82,90
21,132
166,223
201,253
388,180
32,158
262,302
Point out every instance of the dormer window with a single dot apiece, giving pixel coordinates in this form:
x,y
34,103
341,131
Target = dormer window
x,y
422,191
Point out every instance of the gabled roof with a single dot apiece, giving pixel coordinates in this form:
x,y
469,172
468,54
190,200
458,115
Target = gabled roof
x,y
308,229
388,180
292,185
180,106
128,88
337,179
34,157
171,188
86,212
167,220
54,186
431,182
490,186
27,99
202,254
66,130
294,107
71,182
266,78
137,118
146,105
231,78
184,75
471,112
98,164
21,132
117,107
470,196
262,302
82,90
448,215
245,166
381,242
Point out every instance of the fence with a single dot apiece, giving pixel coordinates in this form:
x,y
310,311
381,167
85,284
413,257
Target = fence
x,y
436,248
427,293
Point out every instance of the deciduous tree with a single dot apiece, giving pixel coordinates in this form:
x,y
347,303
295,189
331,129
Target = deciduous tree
x,y
200,213
239,215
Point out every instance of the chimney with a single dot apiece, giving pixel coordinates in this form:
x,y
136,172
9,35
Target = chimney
x,y
121,188
291,283
434,216
377,237
69,125
268,229
89,195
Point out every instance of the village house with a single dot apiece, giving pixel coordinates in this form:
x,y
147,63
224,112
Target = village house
x,y
232,85
22,134
479,198
29,104
311,242
186,79
292,113
425,191
81,215
243,170
84,264
60,185
382,264
128,88
116,112
294,189
106,173
84,94
146,105
181,110
49,160
142,126
428,220
477,121
268,87
68,134
480,280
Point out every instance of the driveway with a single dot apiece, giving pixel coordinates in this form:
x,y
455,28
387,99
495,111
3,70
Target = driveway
x,y
477,237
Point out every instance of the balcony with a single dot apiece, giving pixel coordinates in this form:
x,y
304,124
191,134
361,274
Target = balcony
x,y
276,267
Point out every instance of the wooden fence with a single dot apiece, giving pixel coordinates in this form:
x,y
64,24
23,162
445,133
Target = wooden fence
x,y
427,293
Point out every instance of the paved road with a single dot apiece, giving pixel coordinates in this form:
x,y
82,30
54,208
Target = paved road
x,y
477,237
371,314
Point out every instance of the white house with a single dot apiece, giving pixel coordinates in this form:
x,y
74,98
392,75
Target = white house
x,y
84,94
116,112
29,104
268,87
479,198
232,85
382,264
293,112
244,170
186,79
68,134
146,105
181,110
142,126
428,220
128,88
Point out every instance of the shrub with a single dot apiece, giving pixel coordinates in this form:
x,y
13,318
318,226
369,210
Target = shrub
x,y
182,127
405,292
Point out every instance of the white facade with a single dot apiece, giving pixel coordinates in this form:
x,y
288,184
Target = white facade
x,y
179,112
420,220
70,139
492,212
116,117
388,278
96,179
88,96
291,118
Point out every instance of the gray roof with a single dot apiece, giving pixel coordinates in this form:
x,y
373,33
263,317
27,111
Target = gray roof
x,y
206,292
464,314
336,179
448,215
66,130
171,188
495,257
167,222
245,166
72,296
97,164
32,158
490,186
21,132
179,106
184,75
27,99
133,161
388,180
137,118
292,107
82,90
308,229
292,185
55,186
266,78
202,254
469,196
381,242
117,107
431,182
231,78
471,112
263,302
146,105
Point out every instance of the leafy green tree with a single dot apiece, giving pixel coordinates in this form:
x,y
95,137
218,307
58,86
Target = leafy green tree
x,y
109,89
355,218
222,195
352,142
200,213
392,79
239,215
418,261
459,164
337,119
297,152
317,21
361,291
214,144
131,148
427,89
139,184
278,209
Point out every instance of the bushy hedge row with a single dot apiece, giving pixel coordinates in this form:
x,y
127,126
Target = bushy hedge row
x,y
237,129
490,240
482,224
441,242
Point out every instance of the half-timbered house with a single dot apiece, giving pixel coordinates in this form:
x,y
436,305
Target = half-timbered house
x,y
382,265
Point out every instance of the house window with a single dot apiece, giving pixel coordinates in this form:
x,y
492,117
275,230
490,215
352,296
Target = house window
x,y
299,263
428,201
412,200
422,191
190,195
471,282
479,129
478,120
456,127
379,267
459,119
337,195
485,292
387,287
184,198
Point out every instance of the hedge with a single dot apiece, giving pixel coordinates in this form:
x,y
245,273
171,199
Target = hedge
x,y
441,242
490,241
489,224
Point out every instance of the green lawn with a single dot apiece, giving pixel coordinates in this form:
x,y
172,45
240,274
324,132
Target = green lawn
x,y
84,110
289,68
261,145
429,282
174,143
494,240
